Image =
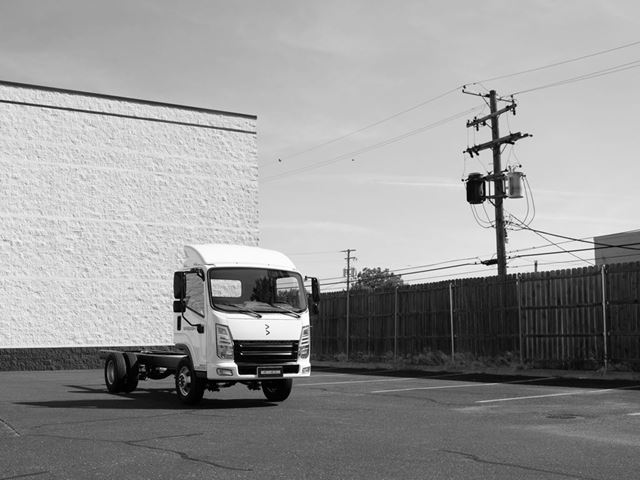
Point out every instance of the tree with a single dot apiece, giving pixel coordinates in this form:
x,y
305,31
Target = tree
x,y
371,278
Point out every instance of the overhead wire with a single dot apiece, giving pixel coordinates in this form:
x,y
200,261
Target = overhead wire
x,y
595,74
594,243
510,257
557,64
371,125
540,234
381,144
607,71
587,76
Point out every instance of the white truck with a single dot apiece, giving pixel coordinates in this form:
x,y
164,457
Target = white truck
x,y
241,315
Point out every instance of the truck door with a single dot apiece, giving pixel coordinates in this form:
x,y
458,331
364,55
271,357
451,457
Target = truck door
x,y
194,316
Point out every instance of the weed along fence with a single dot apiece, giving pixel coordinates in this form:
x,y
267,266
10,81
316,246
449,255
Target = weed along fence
x,y
581,318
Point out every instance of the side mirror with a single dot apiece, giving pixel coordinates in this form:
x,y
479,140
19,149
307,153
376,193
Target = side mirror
x,y
179,286
178,306
315,290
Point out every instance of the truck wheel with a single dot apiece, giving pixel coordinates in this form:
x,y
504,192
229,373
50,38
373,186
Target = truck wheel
x,y
277,390
115,371
133,372
188,386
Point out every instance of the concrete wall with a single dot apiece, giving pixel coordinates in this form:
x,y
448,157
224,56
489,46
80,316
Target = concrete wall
x,y
99,196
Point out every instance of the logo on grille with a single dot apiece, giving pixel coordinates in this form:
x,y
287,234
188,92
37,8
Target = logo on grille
x,y
266,328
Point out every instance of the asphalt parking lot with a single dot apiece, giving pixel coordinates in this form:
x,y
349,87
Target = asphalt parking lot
x,y
336,424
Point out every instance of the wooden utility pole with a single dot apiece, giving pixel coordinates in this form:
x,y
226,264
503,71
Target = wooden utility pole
x,y
501,232
348,275
497,176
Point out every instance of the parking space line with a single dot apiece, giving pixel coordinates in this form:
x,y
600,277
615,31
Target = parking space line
x,y
565,394
394,379
528,397
441,387
438,387
350,381
637,414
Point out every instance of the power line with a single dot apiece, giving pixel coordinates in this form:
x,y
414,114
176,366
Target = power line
x,y
369,148
371,125
557,64
453,90
595,246
526,226
594,243
587,76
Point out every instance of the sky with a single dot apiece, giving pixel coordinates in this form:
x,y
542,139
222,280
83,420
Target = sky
x,y
362,119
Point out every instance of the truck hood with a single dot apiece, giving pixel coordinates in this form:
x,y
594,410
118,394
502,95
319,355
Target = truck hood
x,y
269,327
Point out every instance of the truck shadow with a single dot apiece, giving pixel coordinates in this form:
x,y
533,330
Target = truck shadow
x,y
146,399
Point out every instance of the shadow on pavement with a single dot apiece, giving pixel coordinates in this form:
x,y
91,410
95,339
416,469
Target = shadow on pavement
x,y
146,399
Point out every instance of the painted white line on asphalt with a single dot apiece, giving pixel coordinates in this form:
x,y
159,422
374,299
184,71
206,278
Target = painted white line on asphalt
x,y
439,387
565,394
531,396
395,379
351,381
637,414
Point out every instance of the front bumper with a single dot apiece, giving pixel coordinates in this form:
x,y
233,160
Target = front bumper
x,y
230,371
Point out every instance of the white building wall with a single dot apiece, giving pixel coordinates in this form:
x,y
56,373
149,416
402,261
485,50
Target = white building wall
x,y
99,196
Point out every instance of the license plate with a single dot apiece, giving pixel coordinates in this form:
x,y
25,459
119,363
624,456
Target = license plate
x,y
269,371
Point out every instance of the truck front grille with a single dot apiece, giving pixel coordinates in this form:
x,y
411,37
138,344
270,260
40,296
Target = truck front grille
x,y
264,352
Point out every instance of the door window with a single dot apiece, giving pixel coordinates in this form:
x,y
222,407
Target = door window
x,y
194,299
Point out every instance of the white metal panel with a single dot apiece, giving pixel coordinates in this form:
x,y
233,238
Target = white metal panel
x,y
223,255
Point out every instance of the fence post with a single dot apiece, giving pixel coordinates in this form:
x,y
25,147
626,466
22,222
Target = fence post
x,y
395,325
348,324
521,338
604,315
451,317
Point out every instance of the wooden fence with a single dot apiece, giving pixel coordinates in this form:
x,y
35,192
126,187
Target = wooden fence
x,y
581,318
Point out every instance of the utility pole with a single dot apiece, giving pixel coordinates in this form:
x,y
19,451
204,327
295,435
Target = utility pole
x,y
501,232
349,258
475,184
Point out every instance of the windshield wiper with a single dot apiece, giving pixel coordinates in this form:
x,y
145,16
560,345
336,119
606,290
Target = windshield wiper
x,y
241,309
285,310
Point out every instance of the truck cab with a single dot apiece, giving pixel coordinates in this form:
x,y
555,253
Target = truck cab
x,y
241,314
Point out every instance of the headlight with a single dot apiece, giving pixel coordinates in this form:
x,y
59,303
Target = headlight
x,y
304,347
224,342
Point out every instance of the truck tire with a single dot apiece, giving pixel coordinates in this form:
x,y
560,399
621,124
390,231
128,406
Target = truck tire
x,y
115,371
277,390
188,386
133,372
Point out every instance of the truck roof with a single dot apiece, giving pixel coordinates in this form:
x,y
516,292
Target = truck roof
x,y
223,255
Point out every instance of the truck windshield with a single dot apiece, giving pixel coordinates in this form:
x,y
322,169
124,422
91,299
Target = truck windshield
x,y
257,290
